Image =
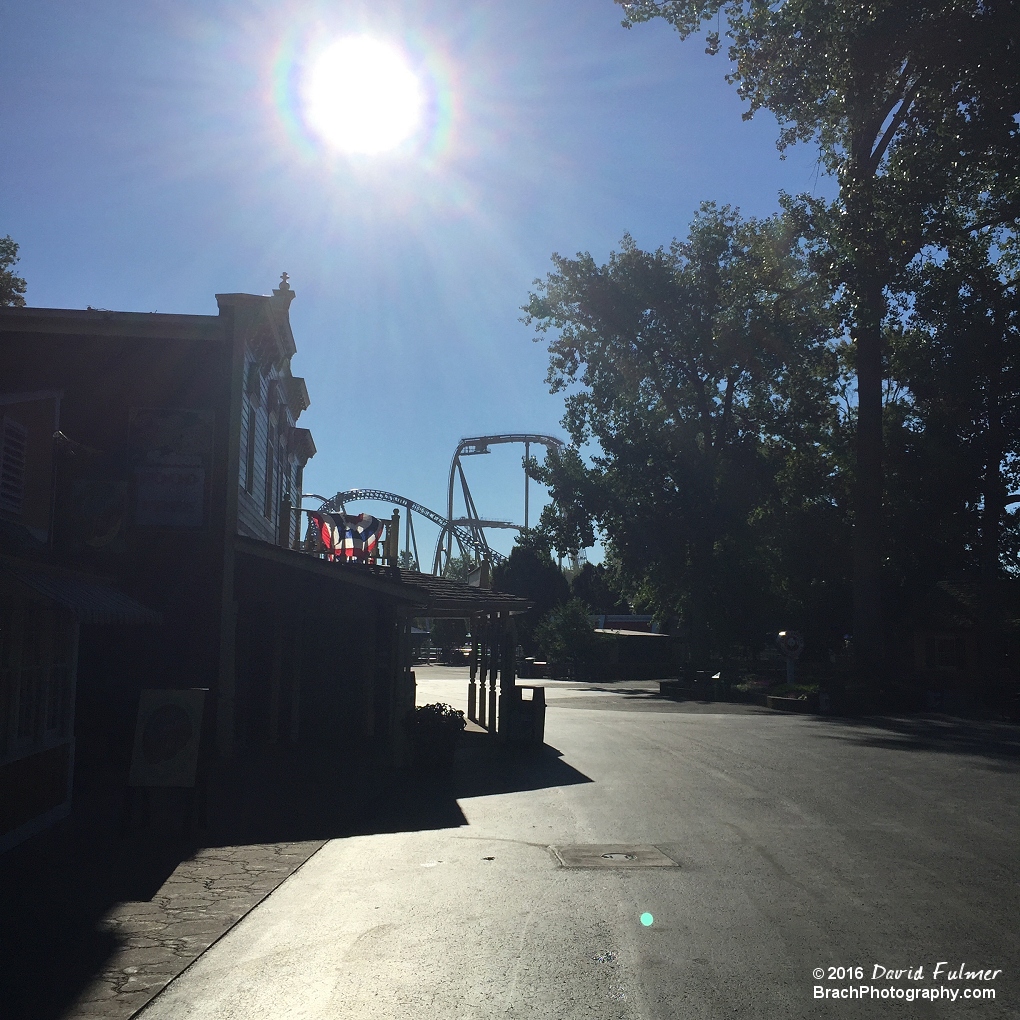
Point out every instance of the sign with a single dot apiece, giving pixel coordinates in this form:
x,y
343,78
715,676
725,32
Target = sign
x,y
167,738
171,451
170,496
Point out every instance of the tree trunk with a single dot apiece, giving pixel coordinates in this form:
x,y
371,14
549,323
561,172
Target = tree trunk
x,y
994,499
868,522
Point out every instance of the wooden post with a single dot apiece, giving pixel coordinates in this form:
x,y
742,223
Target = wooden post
x,y
472,712
496,633
391,546
483,664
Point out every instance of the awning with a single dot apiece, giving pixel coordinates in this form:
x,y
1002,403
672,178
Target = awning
x,y
91,599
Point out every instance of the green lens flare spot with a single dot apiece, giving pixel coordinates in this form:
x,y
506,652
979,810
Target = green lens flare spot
x,y
647,919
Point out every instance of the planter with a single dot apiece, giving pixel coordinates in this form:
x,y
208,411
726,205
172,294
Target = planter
x,y
673,689
808,704
433,732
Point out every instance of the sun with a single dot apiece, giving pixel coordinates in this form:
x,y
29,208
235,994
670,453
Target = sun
x,y
362,97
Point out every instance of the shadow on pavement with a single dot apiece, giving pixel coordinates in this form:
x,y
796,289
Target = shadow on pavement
x,y
57,888
998,742
484,767
651,701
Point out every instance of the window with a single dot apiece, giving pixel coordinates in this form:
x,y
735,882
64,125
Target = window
x,y
252,392
36,678
249,449
12,466
270,468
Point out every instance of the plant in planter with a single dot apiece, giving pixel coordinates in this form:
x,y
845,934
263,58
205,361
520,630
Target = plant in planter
x,y
433,732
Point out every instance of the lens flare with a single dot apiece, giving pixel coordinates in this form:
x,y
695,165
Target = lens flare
x,y
362,97
647,919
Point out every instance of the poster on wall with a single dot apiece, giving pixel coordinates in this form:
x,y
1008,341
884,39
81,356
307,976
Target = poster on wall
x,y
167,738
172,455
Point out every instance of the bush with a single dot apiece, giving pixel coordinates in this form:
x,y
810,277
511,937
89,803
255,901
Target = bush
x,y
433,732
566,635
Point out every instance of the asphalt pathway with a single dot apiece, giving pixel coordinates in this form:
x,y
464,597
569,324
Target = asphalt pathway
x,y
802,843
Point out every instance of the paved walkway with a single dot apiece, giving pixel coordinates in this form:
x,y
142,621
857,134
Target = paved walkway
x,y
153,902
203,899
96,924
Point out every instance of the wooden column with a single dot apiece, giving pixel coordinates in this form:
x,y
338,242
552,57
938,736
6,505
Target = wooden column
x,y
495,636
472,712
483,665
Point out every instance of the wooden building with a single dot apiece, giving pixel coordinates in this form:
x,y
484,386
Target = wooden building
x,y
167,457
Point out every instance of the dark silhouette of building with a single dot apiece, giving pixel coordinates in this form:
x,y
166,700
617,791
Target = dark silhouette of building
x,y
152,463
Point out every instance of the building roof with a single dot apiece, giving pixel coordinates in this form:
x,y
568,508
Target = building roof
x,y
420,594
447,597
100,322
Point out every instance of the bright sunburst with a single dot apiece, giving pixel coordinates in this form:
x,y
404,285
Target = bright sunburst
x,y
361,96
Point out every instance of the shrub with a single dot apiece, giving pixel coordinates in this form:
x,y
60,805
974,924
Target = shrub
x,y
433,731
566,635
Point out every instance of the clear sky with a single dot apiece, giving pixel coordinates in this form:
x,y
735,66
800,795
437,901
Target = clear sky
x,y
157,153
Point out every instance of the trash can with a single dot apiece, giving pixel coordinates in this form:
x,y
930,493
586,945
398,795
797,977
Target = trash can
x,y
523,720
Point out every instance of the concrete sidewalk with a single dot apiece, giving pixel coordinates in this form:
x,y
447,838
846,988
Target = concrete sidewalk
x,y
96,923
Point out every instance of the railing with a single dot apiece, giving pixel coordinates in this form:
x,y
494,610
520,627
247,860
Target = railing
x,y
385,552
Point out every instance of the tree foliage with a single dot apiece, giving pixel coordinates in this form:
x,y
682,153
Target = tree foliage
x,y
914,107
707,374
12,288
531,572
565,635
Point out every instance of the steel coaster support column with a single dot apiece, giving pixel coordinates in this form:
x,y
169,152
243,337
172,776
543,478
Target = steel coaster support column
x,y
527,454
472,511
414,542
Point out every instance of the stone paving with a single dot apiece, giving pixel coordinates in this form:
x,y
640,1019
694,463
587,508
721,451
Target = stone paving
x,y
157,940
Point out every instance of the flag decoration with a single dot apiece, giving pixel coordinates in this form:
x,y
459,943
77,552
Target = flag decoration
x,y
354,538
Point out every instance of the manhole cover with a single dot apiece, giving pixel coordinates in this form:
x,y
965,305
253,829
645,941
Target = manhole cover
x,y
615,856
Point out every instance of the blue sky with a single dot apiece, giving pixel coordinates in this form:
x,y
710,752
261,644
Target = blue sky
x,y
155,154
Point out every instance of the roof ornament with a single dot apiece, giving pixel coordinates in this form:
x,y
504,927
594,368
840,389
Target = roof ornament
x,y
283,295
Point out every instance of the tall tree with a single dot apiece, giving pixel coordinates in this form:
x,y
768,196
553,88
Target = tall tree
x,y
908,100
682,364
12,288
531,572
958,358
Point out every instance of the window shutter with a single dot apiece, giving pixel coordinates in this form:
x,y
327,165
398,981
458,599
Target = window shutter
x,y
12,467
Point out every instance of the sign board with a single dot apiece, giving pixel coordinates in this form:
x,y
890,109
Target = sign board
x,y
170,495
167,737
171,451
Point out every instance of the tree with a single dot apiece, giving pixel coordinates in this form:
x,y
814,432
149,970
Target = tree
x,y
596,587
696,369
910,102
531,572
459,568
566,635
958,359
12,288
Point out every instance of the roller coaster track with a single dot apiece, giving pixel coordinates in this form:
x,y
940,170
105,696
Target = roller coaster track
x,y
449,531
473,447
467,531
